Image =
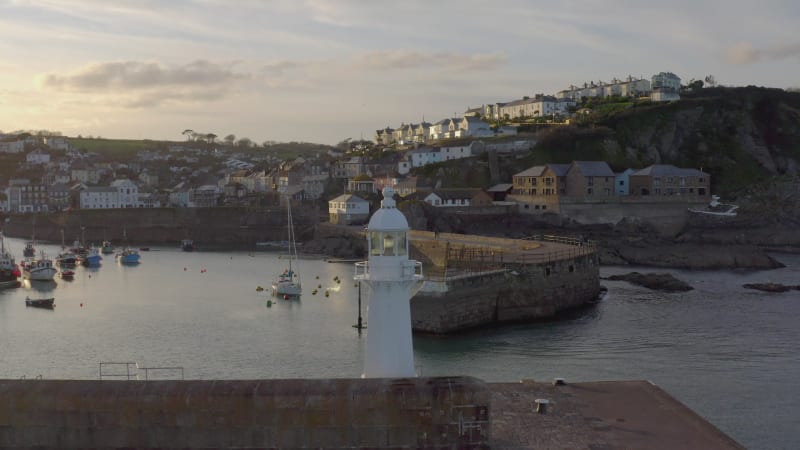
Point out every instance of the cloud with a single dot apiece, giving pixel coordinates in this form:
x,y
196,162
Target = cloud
x,y
409,59
745,53
155,99
139,75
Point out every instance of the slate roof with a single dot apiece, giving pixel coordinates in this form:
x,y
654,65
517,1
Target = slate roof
x,y
455,194
594,168
559,169
667,170
502,187
347,198
534,171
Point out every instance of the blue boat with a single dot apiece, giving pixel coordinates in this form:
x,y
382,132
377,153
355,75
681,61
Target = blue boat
x,y
128,256
92,257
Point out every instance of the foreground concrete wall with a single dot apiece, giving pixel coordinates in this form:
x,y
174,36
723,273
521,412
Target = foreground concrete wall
x,y
445,412
522,292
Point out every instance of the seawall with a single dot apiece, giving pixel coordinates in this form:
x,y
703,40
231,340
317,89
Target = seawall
x,y
473,281
517,293
444,412
222,226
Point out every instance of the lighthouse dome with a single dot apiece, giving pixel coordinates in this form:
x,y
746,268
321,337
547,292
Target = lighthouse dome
x,y
388,217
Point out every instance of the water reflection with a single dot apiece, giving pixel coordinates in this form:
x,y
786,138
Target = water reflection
x,y
40,285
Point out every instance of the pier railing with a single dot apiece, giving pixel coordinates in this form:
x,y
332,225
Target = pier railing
x,y
132,371
465,260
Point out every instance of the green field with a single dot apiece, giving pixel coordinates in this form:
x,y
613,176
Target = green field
x,y
117,148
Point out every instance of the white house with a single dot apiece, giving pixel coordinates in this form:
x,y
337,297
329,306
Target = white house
x,y
12,146
348,209
56,142
404,166
101,197
204,196
127,193
455,152
313,186
666,87
179,196
447,198
37,157
423,156
473,126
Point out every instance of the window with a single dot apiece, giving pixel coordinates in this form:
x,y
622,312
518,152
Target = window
x,y
700,180
388,244
656,181
589,191
622,182
375,243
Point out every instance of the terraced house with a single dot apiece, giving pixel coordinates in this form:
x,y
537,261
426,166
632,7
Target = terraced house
x,y
664,180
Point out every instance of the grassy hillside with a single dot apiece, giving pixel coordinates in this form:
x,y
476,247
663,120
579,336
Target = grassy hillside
x,y
118,149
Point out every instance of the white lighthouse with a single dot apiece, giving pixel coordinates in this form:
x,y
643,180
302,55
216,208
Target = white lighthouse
x,y
392,279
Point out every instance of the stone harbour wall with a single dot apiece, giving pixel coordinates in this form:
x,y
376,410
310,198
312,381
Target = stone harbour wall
x,y
518,293
441,412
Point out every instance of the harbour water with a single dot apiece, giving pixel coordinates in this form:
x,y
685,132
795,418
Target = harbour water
x,y
727,352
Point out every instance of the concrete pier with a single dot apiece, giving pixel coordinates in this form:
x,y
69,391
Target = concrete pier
x,y
441,413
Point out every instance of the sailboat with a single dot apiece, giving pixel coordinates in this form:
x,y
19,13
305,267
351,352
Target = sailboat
x,y
287,283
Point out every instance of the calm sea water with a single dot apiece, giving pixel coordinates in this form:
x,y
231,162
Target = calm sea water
x,y
729,353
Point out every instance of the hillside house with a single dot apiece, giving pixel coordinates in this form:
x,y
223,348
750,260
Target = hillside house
x,y
448,198
58,197
24,196
313,186
473,126
12,146
668,180
590,180
423,156
37,157
99,197
348,209
127,193
622,182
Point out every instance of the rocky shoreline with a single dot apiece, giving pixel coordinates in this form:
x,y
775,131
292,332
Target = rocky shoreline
x,y
657,281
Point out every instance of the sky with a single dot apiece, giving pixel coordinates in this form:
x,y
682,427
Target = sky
x,y
326,70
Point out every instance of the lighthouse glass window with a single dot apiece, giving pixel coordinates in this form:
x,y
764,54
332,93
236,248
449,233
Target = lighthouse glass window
x,y
375,243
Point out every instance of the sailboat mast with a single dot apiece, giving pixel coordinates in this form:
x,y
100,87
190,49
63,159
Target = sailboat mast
x,y
289,231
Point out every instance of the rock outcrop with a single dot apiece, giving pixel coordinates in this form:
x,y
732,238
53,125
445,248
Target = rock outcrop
x,y
656,281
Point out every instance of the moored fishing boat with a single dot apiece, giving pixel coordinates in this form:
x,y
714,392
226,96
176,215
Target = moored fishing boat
x,y
30,250
187,245
39,269
92,257
106,248
66,259
9,270
128,256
